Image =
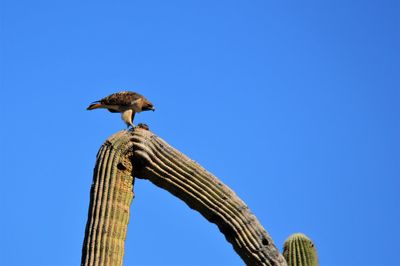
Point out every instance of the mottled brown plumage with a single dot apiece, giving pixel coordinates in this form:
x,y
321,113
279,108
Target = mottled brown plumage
x,y
125,102
124,98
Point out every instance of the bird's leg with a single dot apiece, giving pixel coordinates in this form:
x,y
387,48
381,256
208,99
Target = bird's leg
x,y
131,120
127,117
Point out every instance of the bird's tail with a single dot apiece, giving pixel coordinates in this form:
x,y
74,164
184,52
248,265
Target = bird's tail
x,y
94,105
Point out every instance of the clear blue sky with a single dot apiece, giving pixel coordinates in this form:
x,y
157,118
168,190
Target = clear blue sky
x,y
293,104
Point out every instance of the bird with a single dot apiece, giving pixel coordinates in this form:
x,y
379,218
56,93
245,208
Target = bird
x,y
128,103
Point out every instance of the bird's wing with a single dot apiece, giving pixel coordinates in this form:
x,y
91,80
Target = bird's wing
x,y
124,98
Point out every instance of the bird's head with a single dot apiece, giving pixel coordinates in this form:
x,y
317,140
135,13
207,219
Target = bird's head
x,y
147,106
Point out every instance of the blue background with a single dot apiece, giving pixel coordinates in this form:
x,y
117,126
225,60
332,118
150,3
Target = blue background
x,y
294,105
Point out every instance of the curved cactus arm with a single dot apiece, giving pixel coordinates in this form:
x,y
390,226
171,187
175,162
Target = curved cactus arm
x,y
149,157
299,250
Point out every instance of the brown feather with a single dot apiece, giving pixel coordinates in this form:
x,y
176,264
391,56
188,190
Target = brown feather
x,y
124,98
126,102
94,106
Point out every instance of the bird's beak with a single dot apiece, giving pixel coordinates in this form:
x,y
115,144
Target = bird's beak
x,y
153,109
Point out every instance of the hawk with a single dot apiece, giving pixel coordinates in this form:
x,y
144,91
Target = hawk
x,y
128,103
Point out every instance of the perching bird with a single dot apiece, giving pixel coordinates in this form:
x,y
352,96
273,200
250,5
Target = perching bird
x,y
125,102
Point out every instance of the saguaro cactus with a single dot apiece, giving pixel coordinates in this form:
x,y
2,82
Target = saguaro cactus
x,y
142,154
110,199
299,250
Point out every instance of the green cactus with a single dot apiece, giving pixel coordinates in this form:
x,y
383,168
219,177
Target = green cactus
x,y
109,210
299,250
139,153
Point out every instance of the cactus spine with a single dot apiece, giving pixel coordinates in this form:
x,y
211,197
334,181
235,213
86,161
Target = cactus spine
x,y
299,250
